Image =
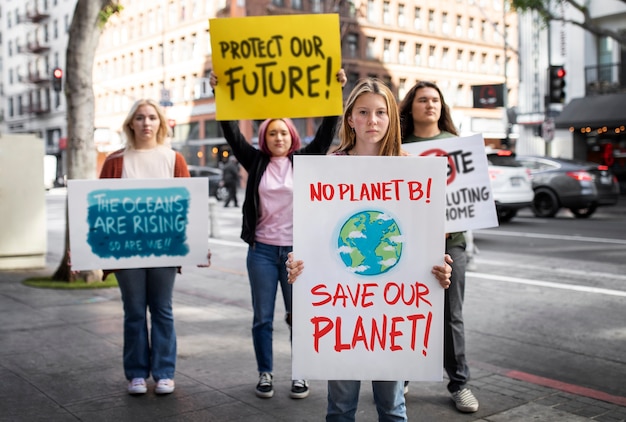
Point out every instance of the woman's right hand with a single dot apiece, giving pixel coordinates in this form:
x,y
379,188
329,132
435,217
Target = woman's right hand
x,y
294,268
212,79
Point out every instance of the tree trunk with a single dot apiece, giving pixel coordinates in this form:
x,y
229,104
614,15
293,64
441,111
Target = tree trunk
x,y
84,35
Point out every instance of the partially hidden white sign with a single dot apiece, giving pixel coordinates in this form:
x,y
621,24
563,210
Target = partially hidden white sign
x,y
469,199
138,223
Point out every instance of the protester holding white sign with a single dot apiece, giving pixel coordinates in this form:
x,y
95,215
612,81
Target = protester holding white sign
x,y
425,116
370,127
146,156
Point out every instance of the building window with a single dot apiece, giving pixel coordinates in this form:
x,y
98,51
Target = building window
x,y
401,89
460,96
386,13
387,51
483,30
417,58
445,58
432,60
431,20
353,78
353,45
171,14
151,22
371,51
459,26
402,52
470,31
497,66
483,63
445,25
296,4
472,61
279,3
387,81
401,16
417,20
459,60
371,11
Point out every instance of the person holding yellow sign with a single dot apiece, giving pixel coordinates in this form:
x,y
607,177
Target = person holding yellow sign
x,y
267,224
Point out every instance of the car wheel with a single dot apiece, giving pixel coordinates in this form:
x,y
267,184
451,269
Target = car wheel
x,y
545,203
506,215
584,212
221,193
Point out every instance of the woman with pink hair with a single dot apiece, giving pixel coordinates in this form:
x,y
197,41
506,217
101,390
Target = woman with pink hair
x,y
267,224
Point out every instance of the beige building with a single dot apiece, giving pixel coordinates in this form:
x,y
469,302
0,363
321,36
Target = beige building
x,y
162,50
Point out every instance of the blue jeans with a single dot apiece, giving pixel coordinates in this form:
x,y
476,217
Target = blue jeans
x,y
454,360
266,271
343,398
143,289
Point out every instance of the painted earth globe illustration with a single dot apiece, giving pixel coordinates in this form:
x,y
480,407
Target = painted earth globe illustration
x,y
370,243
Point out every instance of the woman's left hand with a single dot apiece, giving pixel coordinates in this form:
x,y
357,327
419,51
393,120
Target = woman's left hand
x,y
294,268
342,78
443,272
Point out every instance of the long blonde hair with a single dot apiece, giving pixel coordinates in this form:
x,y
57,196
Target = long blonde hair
x,y
163,128
391,142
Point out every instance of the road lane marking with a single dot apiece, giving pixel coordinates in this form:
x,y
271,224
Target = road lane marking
x,y
540,283
553,237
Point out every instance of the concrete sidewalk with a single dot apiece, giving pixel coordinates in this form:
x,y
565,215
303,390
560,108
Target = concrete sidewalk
x,y
61,360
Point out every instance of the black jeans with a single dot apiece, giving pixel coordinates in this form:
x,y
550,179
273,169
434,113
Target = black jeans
x,y
454,360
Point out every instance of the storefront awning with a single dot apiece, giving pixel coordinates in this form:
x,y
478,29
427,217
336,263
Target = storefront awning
x,y
593,111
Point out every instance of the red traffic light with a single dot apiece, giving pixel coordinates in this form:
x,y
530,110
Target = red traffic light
x,y
560,73
57,73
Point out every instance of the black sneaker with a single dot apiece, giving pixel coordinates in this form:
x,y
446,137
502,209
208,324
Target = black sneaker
x,y
264,388
299,389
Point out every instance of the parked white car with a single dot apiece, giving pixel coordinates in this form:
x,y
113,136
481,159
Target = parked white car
x,y
511,183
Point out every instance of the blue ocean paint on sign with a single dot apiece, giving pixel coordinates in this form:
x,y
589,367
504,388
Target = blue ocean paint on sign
x,y
138,222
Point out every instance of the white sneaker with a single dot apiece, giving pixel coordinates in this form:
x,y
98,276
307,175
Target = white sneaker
x,y
465,401
137,386
164,386
299,389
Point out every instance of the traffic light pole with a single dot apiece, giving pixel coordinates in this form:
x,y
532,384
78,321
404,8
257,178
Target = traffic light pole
x,y
547,93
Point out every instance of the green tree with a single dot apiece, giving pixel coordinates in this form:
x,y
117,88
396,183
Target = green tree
x,y
84,34
549,11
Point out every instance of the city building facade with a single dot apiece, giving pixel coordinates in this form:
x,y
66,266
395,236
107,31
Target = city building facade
x,y
33,40
161,49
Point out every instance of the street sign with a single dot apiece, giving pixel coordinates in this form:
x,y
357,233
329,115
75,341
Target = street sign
x,y
165,98
547,129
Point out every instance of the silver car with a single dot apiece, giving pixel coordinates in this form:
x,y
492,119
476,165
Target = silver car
x,y
577,185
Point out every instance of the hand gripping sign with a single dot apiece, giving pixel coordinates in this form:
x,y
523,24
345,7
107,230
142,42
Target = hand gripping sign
x,y
276,66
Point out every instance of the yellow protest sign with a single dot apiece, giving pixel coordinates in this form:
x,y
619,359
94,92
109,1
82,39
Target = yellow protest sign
x,y
276,66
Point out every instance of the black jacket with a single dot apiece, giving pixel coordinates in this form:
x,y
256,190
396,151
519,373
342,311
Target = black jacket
x,y
255,162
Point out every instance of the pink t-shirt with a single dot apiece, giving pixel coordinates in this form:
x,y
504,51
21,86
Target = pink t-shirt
x,y
275,226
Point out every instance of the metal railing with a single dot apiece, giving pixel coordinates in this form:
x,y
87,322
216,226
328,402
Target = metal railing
x,y
605,79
